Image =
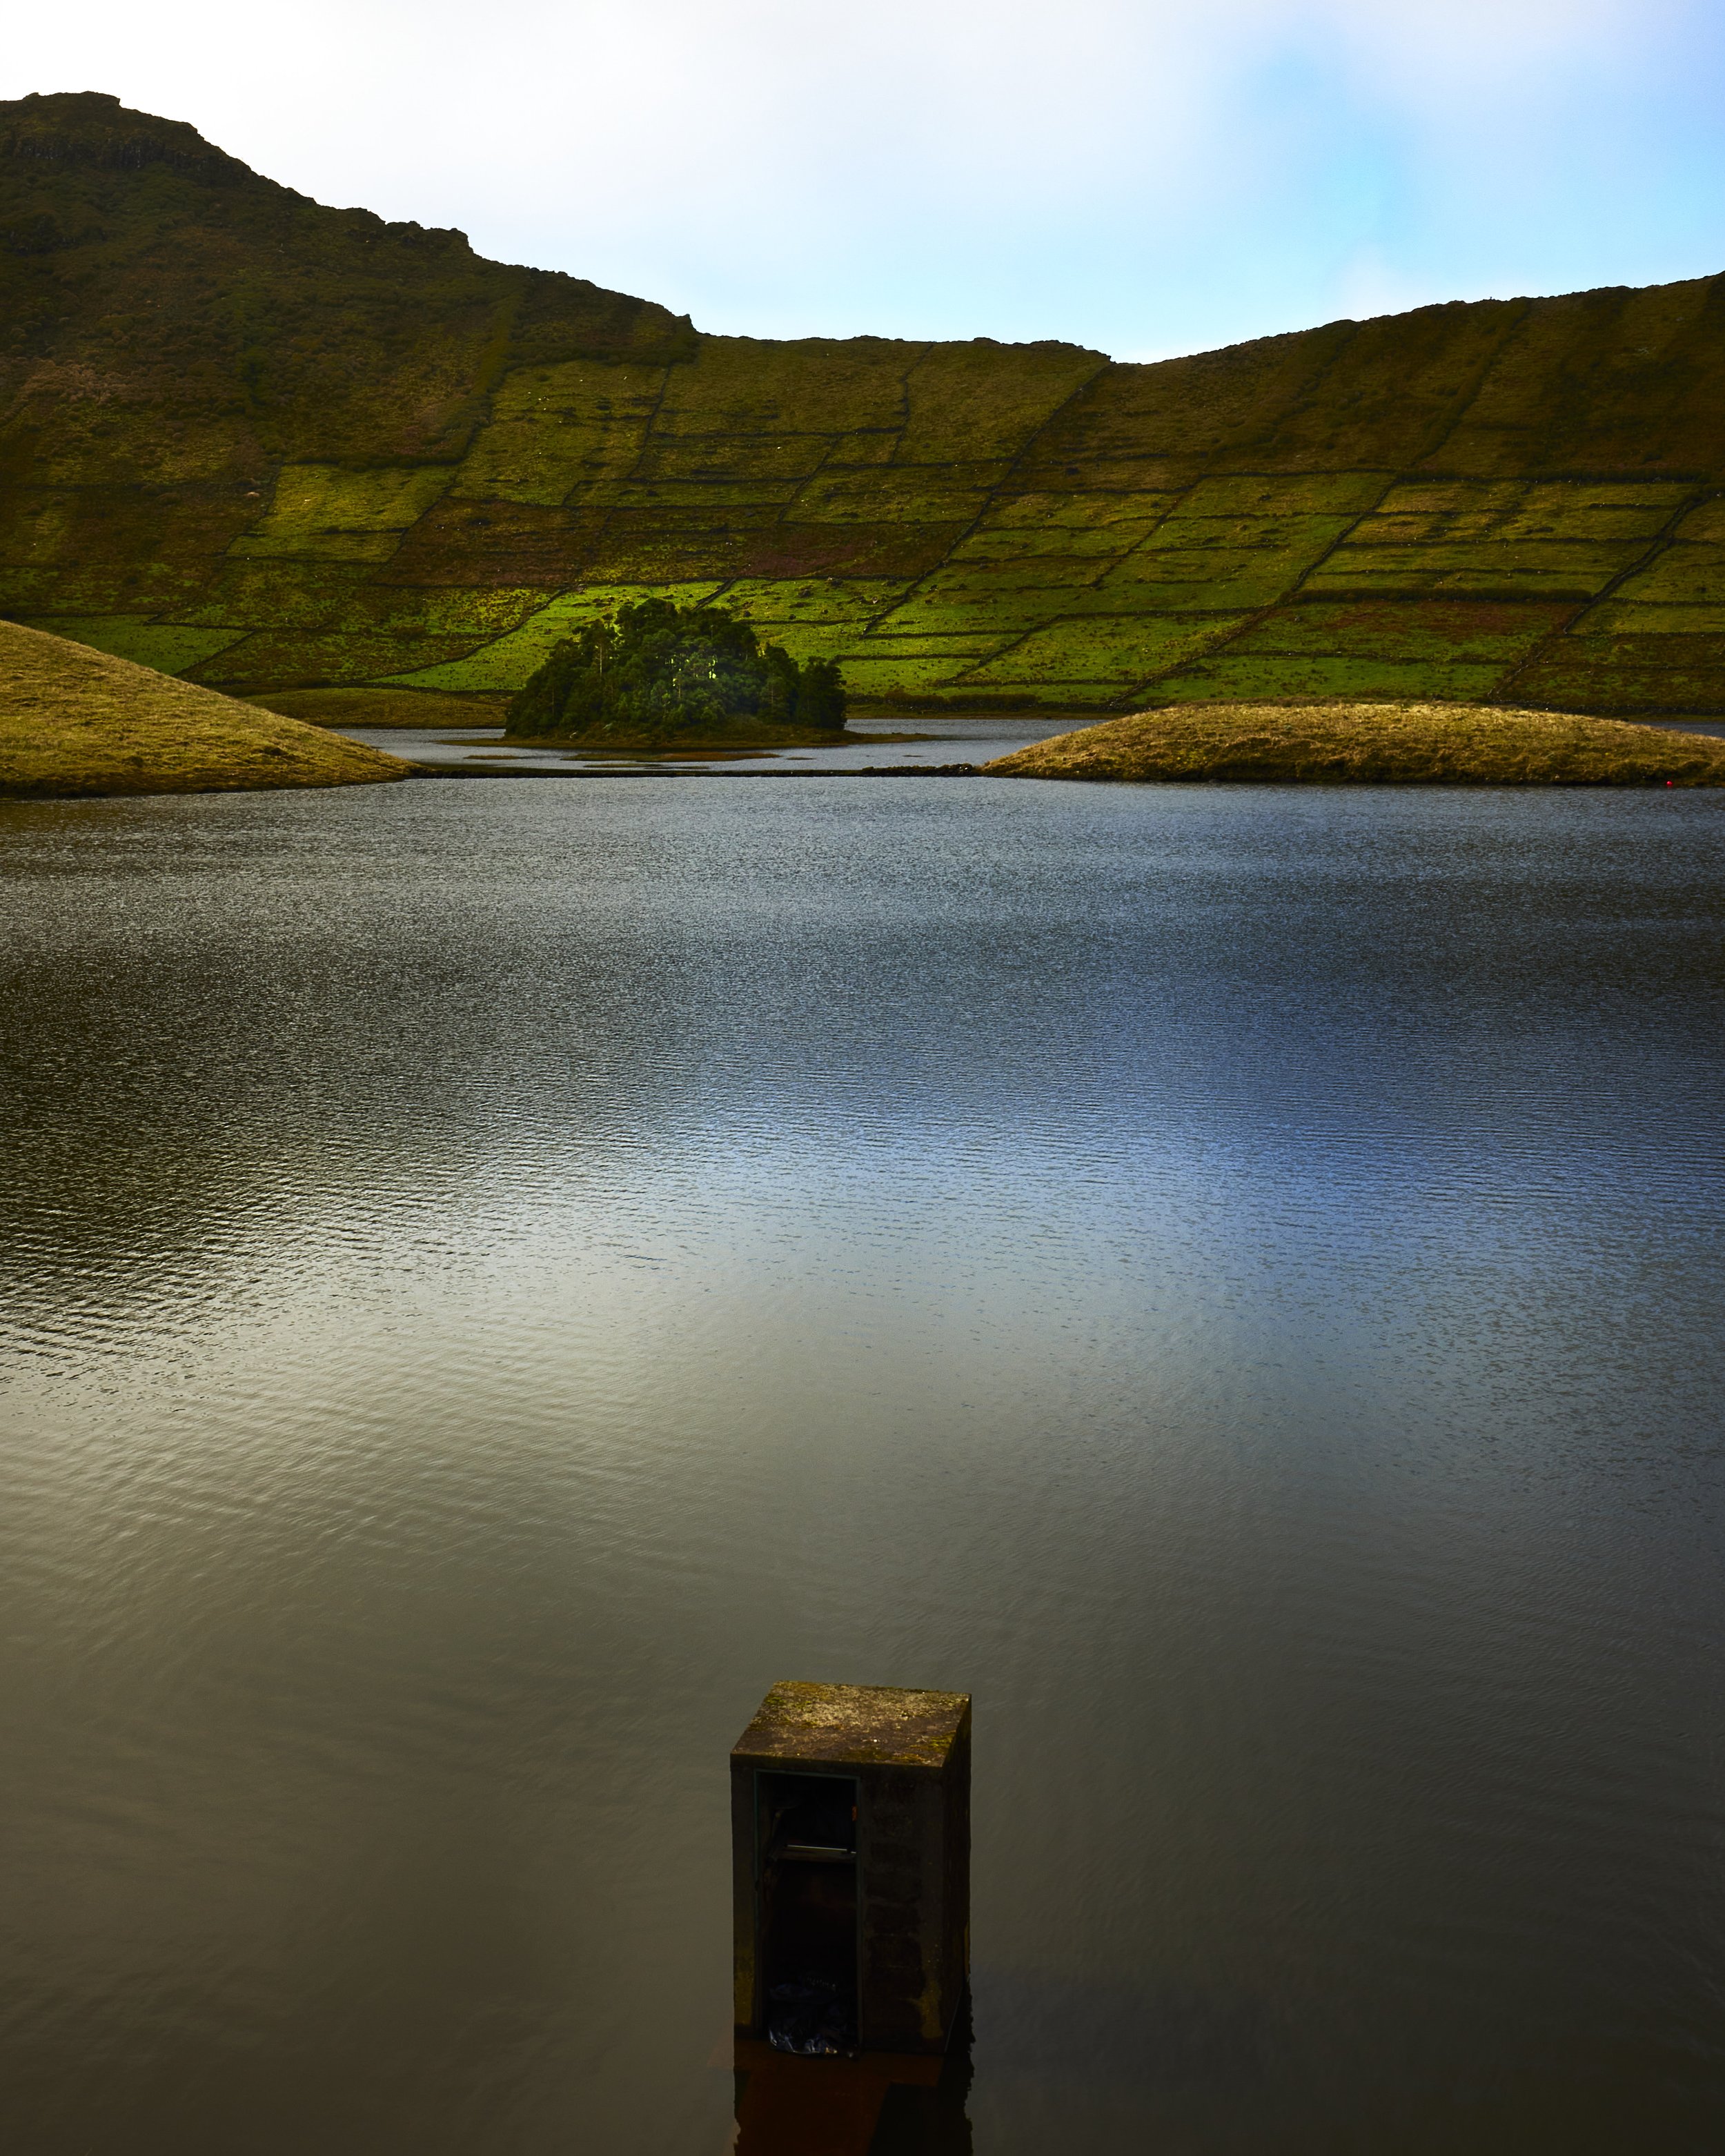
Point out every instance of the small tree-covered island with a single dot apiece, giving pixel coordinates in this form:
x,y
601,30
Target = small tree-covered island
x,y
657,678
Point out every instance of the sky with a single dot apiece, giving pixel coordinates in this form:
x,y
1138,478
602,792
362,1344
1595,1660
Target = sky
x,y
1143,176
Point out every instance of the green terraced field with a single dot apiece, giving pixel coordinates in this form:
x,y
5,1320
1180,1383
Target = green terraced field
x,y
276,448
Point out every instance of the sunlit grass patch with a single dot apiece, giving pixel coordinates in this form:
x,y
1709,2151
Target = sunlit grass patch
x,y
730,458
964,581
810,640
1600,510
1116,651
725,496
1345,494
974,644
139,588
1431,511
839,600
316,595
1302,538
1196,564
871,672
817,618
507,663
1704,524
1686,573
1210,582
1619,616
879,493
985,399
1080,510
169,648
556,431
270,594
325,510
1533,568
1049,696
972,596
802,385
1560,537
1098,543
271,659
1628,673
940,612
642,549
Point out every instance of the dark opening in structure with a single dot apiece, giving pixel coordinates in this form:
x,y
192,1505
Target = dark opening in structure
x,y
807,1824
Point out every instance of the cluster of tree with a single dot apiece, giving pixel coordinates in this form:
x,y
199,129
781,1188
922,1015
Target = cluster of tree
x,y
659,671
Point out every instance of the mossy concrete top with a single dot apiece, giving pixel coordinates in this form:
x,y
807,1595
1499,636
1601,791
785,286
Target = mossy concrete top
x,y
855,1725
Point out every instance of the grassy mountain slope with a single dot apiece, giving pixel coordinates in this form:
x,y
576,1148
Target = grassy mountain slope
x,y
276,447
78,721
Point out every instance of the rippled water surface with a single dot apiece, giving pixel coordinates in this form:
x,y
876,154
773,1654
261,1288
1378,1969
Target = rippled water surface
x,y
495,1274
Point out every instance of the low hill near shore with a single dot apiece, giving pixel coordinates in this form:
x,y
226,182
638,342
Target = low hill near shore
x,y
78,721
1372,745
274,447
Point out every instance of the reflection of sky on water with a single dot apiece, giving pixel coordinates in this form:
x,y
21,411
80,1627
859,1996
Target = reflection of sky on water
x,y
497,1274
973,739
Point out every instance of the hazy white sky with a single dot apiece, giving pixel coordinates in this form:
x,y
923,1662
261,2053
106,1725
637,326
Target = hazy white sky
x,y
1145,176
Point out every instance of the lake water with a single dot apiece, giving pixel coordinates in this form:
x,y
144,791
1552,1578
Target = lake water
x,y
496,1273
924,739
920,741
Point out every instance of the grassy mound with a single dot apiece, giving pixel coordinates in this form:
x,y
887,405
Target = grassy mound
x,y
1373,745
78,721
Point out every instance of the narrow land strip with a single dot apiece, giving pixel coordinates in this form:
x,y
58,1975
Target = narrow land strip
x,y
1406,744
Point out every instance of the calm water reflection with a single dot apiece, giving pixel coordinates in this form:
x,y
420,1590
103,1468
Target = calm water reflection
x,y
976,738
495,1274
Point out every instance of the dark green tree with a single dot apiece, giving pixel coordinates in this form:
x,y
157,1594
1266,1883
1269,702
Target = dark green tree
x,y
658,670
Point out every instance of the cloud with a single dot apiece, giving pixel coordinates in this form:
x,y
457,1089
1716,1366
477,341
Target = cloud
x,y
1129,172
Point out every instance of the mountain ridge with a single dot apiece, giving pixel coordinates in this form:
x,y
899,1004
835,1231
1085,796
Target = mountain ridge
x,y
273,446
